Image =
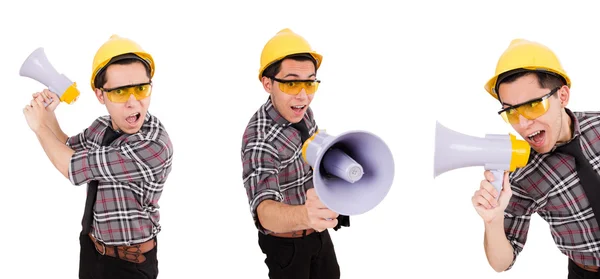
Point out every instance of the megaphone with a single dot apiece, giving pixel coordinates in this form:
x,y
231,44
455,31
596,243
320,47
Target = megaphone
x,y
495,152
37,67
352,172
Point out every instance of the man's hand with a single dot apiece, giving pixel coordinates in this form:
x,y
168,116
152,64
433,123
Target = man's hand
x,y
48,97
52,101
484,199
320,217
36,115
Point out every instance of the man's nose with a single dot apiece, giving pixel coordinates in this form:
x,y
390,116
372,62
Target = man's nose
x,y
302,94
131,100
524,122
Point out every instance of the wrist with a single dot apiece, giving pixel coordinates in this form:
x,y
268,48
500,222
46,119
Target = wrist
x,y
52,122
42,130
304,216
495,223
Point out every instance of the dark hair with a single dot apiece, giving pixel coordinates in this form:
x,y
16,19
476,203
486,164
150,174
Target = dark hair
x,y
273,69
100,79
546,80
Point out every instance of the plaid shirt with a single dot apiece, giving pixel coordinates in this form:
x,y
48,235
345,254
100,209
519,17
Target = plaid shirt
x,y
549,186
273,168
131,174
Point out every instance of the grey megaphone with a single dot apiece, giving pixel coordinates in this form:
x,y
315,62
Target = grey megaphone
x,y
352,172
37,67
495,152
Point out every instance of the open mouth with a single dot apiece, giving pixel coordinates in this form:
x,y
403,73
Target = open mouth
x,y
133,118
537,137
298,109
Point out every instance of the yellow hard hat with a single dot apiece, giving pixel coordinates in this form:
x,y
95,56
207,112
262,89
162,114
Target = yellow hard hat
x,y
116,46
528,55
285,43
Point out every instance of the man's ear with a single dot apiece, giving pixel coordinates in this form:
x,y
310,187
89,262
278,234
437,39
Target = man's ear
x,y
563,95
99,95
267,84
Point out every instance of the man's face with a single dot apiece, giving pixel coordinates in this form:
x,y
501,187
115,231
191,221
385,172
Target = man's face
x,y
543,132
291,106
128,113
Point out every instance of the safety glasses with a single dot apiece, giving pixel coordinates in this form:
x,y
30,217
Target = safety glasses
x,y
531,109
121,94
293,87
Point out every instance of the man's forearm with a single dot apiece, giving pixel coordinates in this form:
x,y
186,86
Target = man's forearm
x,y
56,150
279,217
498,250
58,132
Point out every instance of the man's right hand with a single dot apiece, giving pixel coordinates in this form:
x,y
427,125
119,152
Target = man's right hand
x,y
485,202
52,100
318,214
48,97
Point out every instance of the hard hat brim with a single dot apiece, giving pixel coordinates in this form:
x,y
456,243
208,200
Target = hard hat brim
x,y
318,58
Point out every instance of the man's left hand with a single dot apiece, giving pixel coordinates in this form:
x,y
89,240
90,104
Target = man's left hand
x,y
36,114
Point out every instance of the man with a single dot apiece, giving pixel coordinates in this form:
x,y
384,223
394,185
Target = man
x,y
559,182
291,220
124,157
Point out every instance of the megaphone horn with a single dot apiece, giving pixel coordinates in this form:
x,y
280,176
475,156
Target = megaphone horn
x,y
352,173
38,68
495,152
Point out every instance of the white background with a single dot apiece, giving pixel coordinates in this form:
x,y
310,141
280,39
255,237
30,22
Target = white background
x,y
391,70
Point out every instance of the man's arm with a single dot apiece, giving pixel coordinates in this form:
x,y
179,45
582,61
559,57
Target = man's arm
x,y
58,132
260,174
498,250
77,142
58,152
45,96
279,217
505,237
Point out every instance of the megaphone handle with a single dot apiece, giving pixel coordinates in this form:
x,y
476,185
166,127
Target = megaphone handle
x,y
51,90
45,105
498,179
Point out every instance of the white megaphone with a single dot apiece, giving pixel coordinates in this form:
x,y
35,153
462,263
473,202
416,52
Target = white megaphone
x,y
495,152
37,67
352,173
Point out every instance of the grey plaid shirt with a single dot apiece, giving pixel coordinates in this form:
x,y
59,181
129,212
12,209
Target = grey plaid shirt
x,y
273,168
549,186
131,174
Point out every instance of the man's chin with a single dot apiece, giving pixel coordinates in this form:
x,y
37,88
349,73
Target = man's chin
x,y
542,149
293,119
130,129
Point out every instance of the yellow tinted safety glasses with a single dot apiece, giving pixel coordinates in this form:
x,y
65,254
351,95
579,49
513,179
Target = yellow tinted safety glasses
x,y
531,109
121,94
293,87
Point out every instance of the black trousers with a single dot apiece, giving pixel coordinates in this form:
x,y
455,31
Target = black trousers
x,y
92,265
576,272
309,257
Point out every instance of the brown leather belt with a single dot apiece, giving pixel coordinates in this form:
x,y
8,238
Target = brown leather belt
x,y
134,253
294,234
590,268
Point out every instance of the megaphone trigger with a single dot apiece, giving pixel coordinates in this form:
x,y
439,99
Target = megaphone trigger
x,y
47,104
